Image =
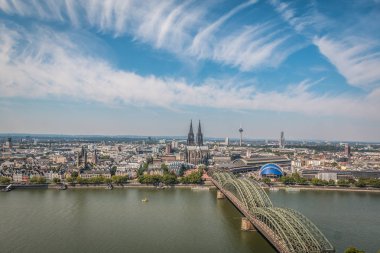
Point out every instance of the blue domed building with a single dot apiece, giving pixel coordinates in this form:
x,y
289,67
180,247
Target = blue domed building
x,y
271,170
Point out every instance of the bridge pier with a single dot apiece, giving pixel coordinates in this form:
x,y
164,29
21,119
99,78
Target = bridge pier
x,y
220,195
246,225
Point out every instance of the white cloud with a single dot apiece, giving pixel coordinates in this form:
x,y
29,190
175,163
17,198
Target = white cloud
x,y
45,64
184,28
358,61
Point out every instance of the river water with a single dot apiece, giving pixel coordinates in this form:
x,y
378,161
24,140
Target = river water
x,y
173,220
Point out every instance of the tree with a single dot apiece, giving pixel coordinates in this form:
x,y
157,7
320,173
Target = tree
x,y
108,180
70,180
266,180
193,178
74,174
81,180
331,182
165,168
38,180
5,180
113,170
149,160
56,180
353,250
182,170
287,180
361,183
343,183
169,179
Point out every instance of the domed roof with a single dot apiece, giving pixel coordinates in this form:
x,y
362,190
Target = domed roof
x,y
271,169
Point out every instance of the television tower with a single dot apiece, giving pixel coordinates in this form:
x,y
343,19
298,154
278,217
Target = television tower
x,y
282,140
241,135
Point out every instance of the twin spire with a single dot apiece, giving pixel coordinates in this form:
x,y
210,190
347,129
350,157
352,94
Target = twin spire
x,y
190,136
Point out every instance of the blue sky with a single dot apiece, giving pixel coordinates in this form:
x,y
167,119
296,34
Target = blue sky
x,y
309,68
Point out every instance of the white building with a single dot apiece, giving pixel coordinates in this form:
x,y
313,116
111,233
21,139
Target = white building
x,y
327,176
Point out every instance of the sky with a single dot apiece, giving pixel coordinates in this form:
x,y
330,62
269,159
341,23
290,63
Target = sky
x,y
130,67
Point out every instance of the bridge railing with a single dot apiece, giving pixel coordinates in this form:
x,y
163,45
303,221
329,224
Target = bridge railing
x,y
286,229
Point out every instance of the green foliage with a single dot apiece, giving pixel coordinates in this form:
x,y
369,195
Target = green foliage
x,y
5,180
81,180
343,182
142,168
169,179
165,168
288,180
149,160
113,170
37,180
318,182
108,180
298,179
74,174
361,183
150,179
182,170
353,250
56,180
193,178
70,180
96,180
331,182
266,180
119,179
364,182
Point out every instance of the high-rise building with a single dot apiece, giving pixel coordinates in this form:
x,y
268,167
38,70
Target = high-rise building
x,y
190,135
281,143
227,141
168,148
8,143
347,150
241,135
174,144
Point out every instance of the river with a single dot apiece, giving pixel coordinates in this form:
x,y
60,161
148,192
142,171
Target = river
x,y
173,220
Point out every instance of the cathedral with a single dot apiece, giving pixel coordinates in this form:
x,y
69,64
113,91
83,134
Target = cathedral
x,y
196,152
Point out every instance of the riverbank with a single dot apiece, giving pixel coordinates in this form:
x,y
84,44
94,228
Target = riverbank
x,y
326,188
103,186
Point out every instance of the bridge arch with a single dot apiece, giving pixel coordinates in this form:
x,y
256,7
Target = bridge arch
x,y
287,229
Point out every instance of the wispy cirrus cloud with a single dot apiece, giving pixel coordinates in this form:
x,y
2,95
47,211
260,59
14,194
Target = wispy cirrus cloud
x,y
43,63
356,59
185,28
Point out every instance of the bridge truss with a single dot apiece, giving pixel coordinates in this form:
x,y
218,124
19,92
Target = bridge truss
x,y
287,230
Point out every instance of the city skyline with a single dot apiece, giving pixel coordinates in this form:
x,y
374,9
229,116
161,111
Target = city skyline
x,y
126,68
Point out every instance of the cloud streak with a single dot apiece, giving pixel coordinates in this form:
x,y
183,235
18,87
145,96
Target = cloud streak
x,y
184,28
357,61
43,63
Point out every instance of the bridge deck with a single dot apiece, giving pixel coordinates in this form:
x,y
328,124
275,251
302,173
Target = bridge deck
x,y
287,230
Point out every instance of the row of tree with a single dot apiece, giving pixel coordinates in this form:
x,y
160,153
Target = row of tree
x,y
297,179
171,178
98,180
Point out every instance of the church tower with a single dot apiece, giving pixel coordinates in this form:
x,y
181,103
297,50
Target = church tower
x,y
199,135
190,136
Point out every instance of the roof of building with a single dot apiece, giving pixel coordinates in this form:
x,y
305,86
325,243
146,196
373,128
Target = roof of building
x,y
271,169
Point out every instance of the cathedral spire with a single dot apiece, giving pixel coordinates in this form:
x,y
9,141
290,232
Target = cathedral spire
x,y
190,136
199,135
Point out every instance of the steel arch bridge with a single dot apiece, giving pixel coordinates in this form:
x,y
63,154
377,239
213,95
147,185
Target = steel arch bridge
x,y
286,229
